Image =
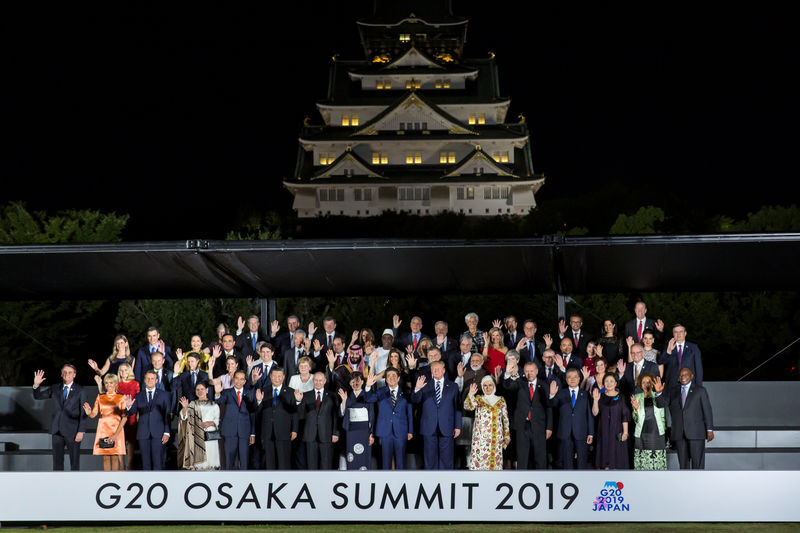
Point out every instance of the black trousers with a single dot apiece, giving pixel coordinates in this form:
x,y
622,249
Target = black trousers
x,y
277,454
530,442
319,455
60,442
691,451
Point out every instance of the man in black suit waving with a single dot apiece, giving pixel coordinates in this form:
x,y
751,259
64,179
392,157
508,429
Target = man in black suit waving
x,y
533,418
692,421
575,421
278,411
69,419
320,431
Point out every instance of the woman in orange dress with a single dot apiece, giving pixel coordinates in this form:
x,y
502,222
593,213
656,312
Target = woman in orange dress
x,y
111,408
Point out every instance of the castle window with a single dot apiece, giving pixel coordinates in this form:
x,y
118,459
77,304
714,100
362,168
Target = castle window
x,y
413,158
354,119
446,84
447,157
345,120
405,37
481,118
471,118
380,158
500,157
326,158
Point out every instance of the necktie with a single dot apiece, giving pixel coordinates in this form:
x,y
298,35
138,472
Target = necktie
x,y
296,356
530,390
239,397
253,337
158,381
636,371
513,338
573,399
684,390
414,341
530,350
330,339
548,372
319,399
274,397
152,350
66,391
680,356
394,399
194,379
438,393
639,332
149,396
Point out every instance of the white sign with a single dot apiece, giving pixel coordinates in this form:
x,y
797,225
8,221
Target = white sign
x,y
411,496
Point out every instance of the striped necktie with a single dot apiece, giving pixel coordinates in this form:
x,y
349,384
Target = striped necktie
x,y
438,393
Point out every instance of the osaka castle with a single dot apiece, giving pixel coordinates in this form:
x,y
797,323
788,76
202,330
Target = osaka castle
x,y
414,127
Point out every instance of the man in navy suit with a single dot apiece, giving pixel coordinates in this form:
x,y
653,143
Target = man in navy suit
x,y
277,410
247,341
549,370
320,431
575,333
680,354
440,422
152,429
238,424
188,380
567,358
575,420
265,365
291,355
630,372
532,418
635,328
154,344
68,423
284,341
408,339
692,421
395,425
530,350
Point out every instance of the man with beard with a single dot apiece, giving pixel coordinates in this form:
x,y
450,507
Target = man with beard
x,y
340,375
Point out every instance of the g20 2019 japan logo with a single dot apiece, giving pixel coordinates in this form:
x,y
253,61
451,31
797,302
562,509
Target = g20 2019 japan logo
x,y
611,498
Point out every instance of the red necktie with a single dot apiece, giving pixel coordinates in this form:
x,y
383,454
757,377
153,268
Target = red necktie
x,y
319,399
530,389
239,397
575,336
414,341
639,332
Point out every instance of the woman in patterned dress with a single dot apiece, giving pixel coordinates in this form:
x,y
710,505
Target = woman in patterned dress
x,y
650,446
490,432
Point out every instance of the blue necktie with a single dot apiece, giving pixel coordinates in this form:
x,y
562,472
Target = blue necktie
x,y
573,399
530,349
66,391
149,396
438,393
274,397
254,342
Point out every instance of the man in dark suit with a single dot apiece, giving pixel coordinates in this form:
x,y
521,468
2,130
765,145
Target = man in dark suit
x,y
264,365
395,425
285,340
326,337
567,357
237,427
68,423
412,338
635,328
532,418
278,412
630,372
152,429
247,341
530,350
680,354
512,336
321,359
692,421
442,341
229,350
575,333
154,344
188,380
165,379
440,422
549,370
575,421
292,354
320,431
460,356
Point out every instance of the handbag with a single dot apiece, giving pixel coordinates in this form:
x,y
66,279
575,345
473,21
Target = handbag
x,y
213,435
105,443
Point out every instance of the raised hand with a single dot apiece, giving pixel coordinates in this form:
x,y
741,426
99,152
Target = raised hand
x,y
658,385
486,339
343,395
460,369
585,372
259,395
559,361
373,359
307,345
93,365
354,337
548,340
240,323
311,329
331,357
411,361
87,408
473,388
671,345
596,395
249,360
128,401
372,379
629,342
179,354
275,327
621,367
396,321
553,388
216,352
599,350
420,382
497,323
38,378
184,402
562,327
317,345
498,370
298,396
634,402
176,368
523,342
660,325
255,375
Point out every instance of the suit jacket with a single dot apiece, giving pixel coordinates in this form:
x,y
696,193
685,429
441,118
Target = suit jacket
x,y
143,363
583,340
219,366
68,416
446,416
282,341
575,362
451,363
289,364
239,419
401,340
184,385
627,384
525,354
555,375
244,342
279,421
512,345
264,381
694,419
154,416
449,346
322,337
691,359
630,331
539,409
393,420
319,425
577,421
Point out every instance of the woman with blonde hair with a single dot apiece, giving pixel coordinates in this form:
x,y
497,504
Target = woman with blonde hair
x,y
111,408
120,354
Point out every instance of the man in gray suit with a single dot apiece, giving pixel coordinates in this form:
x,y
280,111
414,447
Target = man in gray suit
x,y
692,421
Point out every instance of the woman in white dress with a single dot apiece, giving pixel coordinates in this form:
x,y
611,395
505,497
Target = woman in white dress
x,y
198,433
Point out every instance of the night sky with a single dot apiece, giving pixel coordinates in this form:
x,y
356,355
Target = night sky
x,y
180,115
